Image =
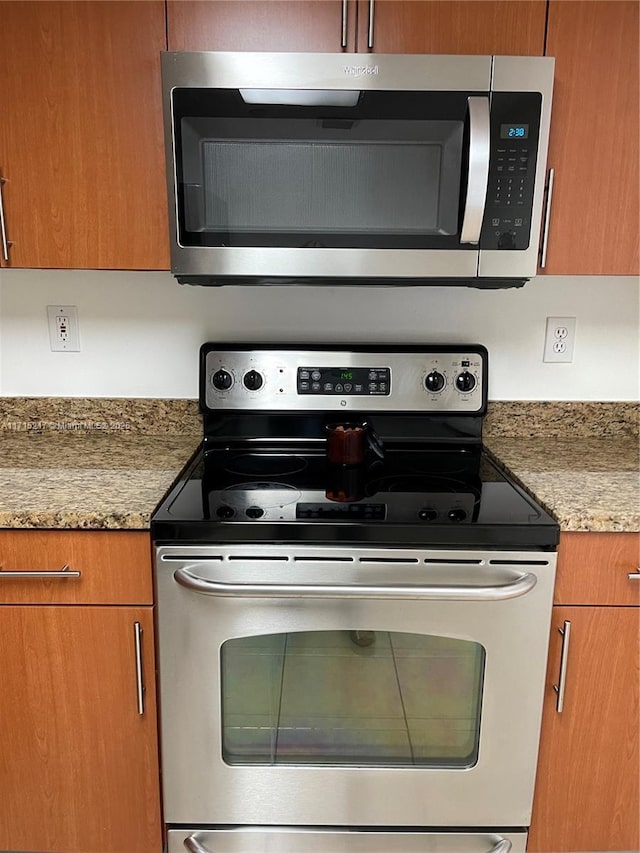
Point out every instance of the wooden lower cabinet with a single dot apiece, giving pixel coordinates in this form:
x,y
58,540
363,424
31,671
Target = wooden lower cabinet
x,y
78,762
587,795
78,724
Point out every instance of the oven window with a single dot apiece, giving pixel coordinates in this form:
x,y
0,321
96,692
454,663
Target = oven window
x,y
371,698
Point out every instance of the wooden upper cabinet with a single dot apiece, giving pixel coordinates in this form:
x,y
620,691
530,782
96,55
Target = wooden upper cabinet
x,y
593,148
261,25
81,138
511,27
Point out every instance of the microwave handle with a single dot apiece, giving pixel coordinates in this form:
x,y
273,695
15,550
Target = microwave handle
x,y
478,173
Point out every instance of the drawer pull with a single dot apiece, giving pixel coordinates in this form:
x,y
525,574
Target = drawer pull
x,y
634,576
564,657
63,573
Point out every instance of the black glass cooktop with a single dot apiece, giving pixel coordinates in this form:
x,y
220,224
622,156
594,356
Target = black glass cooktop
x,y
414,496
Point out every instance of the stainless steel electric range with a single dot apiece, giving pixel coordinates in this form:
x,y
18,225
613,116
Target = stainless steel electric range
x,y
353,610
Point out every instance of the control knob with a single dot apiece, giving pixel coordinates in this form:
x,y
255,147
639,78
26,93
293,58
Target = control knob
x,y
434,381
222,380
224,511
457,514
465,381
427,514
254,512
253,380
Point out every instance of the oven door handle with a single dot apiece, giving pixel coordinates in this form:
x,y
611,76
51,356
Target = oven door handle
x,y
193,845
478,172
498,592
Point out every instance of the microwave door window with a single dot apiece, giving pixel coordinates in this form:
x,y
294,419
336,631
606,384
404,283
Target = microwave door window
x,y
319,176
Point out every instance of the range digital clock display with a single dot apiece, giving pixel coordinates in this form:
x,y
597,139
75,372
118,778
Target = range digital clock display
x,y
514,131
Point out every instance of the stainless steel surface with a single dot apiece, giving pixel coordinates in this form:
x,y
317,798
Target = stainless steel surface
x,y
140,688
513,588
338,71
343,40
401,72
408,371
564,659
200,788
370,26
64,572
268,839
3,228
524,74
193,845
547,216
634,576
478,172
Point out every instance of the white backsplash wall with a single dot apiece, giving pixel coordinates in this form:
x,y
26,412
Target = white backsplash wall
x,y
140,331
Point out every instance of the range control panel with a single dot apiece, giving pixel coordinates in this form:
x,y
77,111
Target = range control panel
x,y
430,379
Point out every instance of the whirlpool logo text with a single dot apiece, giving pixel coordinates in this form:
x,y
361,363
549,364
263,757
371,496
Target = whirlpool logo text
x,y
360,70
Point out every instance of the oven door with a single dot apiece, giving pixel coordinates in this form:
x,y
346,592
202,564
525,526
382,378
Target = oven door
x,y
351,687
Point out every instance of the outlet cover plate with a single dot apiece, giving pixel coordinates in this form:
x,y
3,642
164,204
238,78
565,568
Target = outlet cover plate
x,y
559,340
63,328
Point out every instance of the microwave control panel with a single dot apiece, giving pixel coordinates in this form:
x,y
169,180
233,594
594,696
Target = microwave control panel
x,y
515,126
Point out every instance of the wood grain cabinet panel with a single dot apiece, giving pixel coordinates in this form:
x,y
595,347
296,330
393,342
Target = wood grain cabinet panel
x,y
511,27
81,139
78,763
594,568
587,793
260,25
593,147
114,567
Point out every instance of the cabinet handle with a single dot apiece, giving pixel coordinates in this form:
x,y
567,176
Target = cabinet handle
x,y
547,216
343,40
370,35
63,573
193,845
503,846
634,576
3,227
137,640
564,657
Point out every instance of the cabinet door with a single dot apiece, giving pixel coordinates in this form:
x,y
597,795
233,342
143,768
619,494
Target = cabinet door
x,y
593,146
81,139
277,25
78,762
511,27
587,794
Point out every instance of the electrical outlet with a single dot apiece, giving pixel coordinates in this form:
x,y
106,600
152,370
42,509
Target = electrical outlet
x,y
63,328
559,339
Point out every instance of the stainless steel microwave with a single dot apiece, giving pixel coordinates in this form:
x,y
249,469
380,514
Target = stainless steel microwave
x,y
333,168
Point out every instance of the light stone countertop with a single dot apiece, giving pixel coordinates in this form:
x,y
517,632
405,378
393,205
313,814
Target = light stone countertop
x,y
586,484
106,464
87,479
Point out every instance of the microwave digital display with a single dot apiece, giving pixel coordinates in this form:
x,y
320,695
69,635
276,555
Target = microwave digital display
x,y
514,131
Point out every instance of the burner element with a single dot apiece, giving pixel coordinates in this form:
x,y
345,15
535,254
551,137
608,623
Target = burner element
x,y
265,465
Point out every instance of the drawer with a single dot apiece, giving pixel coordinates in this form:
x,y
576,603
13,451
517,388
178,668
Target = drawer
x,y
114,567
594,568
